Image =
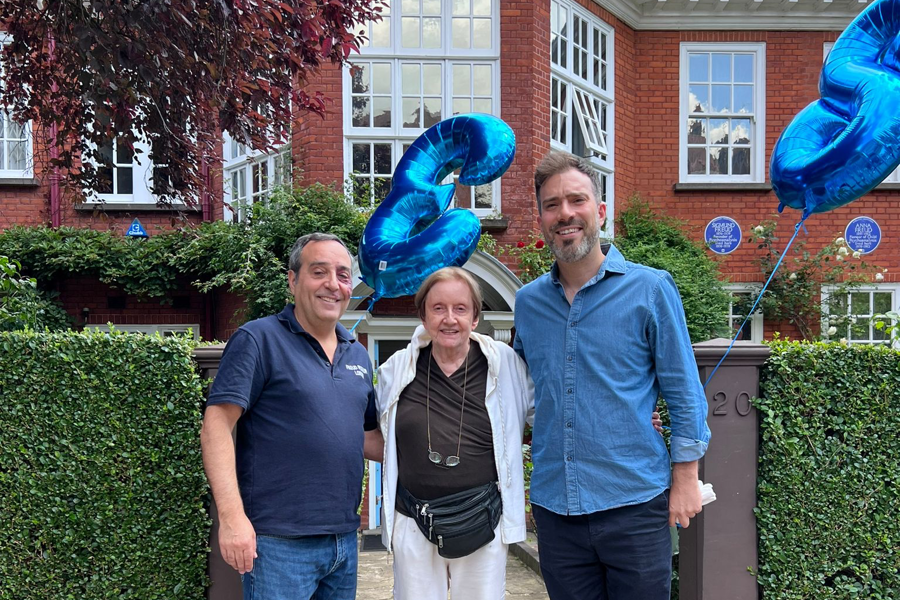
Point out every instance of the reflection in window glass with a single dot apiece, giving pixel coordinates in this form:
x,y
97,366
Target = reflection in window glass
x,y
721,84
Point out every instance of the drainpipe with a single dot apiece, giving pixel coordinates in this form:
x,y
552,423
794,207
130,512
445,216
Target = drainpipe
x,y
55,217
205,198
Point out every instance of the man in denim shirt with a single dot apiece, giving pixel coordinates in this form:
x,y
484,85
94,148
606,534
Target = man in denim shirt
x,y
604,338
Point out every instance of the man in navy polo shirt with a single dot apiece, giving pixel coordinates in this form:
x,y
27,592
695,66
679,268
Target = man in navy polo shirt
x,y
299,389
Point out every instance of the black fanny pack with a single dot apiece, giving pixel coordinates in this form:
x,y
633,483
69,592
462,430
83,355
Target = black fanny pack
x,y
458,524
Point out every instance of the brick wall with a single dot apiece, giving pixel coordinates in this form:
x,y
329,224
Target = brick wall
x,y
793,61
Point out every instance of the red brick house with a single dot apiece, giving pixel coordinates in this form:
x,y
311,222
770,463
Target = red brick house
x,y
680,101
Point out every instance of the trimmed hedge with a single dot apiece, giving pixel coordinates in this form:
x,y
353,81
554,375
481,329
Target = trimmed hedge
x,y
102,492
828,472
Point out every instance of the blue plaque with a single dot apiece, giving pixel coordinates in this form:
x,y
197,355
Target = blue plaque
x,y
723,235
863,235
136,230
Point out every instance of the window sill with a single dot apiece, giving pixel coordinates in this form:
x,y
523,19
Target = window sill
x,y
722,187
887,187
494,225
19,182
134,207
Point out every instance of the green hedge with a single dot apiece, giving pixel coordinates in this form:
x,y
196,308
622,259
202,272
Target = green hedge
x,y
102,492
829,504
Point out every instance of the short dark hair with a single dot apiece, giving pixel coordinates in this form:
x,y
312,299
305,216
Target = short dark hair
x,y
301,243
557,162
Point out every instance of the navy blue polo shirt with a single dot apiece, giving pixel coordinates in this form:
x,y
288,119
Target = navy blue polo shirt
x,y
299,447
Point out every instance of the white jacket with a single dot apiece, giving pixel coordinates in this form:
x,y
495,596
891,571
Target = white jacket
x,y
509,401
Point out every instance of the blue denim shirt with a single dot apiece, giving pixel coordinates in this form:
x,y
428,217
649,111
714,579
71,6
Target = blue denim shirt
x,y
599,366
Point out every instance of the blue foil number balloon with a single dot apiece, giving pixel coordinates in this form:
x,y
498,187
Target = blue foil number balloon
x,y
843,145
412,234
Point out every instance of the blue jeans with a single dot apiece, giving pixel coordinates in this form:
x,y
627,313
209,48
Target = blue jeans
x,y
314,567
618,554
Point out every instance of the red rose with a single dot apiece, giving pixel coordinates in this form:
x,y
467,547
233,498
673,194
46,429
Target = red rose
x,y
521,245
539,244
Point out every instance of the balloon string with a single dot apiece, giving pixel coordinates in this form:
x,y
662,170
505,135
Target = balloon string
x,y
755,304
368,310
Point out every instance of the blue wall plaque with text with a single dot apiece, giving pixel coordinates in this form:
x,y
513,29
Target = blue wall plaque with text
x,y
863,234
722,235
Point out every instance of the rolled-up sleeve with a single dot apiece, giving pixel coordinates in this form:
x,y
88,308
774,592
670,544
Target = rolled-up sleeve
x,y
676,372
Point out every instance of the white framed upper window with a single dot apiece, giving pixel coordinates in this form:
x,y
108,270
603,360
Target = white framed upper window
x,y
124,173
851,313
752,330
16,140
582,88
722,107
250,176
425,61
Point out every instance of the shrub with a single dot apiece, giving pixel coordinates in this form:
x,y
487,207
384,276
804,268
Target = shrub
x,y
829,463
249,259
103,486
662,242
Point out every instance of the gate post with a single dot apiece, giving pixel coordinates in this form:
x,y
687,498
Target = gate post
x,y
224,582
718,552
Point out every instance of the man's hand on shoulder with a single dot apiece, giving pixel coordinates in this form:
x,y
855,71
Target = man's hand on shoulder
x,y
237,541
684,497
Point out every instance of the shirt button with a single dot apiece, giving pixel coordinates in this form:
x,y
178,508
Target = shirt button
x,y
569,424
569,358
573,324
569,391
569,459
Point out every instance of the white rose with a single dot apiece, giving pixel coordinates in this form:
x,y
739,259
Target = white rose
x,y
839,256
839,241
857,254
793,276
832,330
879,277
758,230
843,340
843,251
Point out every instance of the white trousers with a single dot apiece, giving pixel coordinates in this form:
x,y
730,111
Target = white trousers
x,y
420,573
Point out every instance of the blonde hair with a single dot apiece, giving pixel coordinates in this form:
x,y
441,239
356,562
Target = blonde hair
x,y
448,274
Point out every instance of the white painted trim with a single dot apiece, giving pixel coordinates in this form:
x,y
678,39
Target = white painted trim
x,y
757,326
758,170
894,288
799,19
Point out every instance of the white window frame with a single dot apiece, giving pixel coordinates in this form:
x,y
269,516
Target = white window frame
x,y
757,328
580,93
396,56
27,131
248,167
844,329
758,118
141,179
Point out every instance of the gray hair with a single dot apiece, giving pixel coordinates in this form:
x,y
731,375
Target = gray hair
x,y
557,162
294,263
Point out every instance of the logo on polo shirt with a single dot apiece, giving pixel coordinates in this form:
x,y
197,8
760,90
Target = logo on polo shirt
x,y
358,370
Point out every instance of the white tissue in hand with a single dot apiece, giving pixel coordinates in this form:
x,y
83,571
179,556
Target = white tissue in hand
x,y
707,494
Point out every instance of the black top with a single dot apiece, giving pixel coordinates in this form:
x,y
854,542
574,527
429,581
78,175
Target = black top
x,y
422,478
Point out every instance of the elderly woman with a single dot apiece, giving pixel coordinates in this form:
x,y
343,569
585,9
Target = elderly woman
x,y
452,409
